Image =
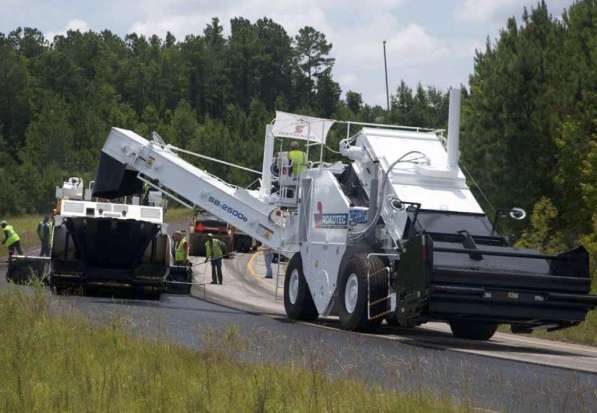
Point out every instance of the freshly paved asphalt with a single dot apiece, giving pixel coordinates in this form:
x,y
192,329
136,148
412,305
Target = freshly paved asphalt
x,y
414,364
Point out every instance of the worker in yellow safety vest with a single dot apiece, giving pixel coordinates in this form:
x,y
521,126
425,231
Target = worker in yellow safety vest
x,y
297,158
181,249
11,239
214,253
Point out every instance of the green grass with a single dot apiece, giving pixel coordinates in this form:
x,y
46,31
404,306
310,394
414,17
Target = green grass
x,y
179,214
63,363
584,333
26,227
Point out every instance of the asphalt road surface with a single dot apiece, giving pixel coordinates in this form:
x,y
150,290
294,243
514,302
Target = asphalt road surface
x,y
414,363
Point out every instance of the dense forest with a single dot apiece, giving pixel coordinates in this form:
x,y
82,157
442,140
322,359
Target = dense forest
x,y
529,122
208,93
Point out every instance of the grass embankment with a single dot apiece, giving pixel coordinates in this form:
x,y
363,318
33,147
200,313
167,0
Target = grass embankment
x,y
179,214
64,363
26,227
584,333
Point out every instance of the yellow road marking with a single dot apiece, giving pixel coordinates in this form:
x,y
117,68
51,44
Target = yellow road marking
x,y
252,272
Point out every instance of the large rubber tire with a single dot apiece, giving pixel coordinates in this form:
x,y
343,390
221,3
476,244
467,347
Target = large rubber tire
x,y
353,314
298,303
473,330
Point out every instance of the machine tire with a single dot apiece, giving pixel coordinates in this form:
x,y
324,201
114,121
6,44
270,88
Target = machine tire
x,y
303,307
358,265
473,330
154,295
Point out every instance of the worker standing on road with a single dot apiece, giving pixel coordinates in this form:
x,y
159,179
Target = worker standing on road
x,y
181,249
11,239
268,256
213,252
44,233
297,158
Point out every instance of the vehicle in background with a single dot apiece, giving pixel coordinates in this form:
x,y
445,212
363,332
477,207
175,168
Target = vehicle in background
x,y
204,223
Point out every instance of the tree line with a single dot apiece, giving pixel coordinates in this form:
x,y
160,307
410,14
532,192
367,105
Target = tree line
x,y
209,93
528,121
530,124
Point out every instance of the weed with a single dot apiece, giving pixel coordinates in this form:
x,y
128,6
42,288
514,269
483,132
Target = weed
x,y
65,363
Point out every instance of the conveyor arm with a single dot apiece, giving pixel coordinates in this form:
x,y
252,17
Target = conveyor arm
x,y
153,162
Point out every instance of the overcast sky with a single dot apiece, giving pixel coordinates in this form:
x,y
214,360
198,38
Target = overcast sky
x,y
428,41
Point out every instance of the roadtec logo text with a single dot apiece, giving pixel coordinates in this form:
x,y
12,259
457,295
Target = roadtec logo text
x,y
235,213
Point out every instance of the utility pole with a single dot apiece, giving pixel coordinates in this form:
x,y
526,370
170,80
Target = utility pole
x,y
385,64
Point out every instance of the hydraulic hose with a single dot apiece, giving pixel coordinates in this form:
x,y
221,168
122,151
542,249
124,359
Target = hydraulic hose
x,y
380,196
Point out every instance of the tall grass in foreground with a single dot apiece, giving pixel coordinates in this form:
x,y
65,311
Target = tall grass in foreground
x,y
64,363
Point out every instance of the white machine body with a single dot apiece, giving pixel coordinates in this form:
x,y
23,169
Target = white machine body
x,y
311,214
91,209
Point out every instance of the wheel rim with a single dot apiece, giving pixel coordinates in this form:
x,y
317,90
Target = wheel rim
x,y
351,293
293,286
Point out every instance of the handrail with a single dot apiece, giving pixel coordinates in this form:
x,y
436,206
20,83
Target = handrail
x,y
386,125
209,158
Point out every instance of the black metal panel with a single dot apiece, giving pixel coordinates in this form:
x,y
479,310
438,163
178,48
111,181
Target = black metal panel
x,y
575,262
486,278
416,263
477,275
447,222
24,269
504,313
111,243
113,180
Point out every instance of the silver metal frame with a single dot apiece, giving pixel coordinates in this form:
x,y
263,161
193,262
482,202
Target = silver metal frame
x,y
380,300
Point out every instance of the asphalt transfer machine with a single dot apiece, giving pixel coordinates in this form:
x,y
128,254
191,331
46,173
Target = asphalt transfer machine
x,y
393,232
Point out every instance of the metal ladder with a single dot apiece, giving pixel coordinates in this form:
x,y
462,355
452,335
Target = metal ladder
x,y
386,299
278,286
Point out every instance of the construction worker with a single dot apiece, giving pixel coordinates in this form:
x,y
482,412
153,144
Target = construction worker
x,y
181,249
268,257
11,239
52,224
297,158
213,252
44,233
145,196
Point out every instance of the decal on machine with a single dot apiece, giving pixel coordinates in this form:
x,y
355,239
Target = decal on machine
x,y
230,210
329,220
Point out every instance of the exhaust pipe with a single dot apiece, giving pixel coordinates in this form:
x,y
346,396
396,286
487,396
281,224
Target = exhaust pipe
x,y
454,128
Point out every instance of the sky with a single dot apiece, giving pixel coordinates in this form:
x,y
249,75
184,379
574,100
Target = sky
x,y
428,41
